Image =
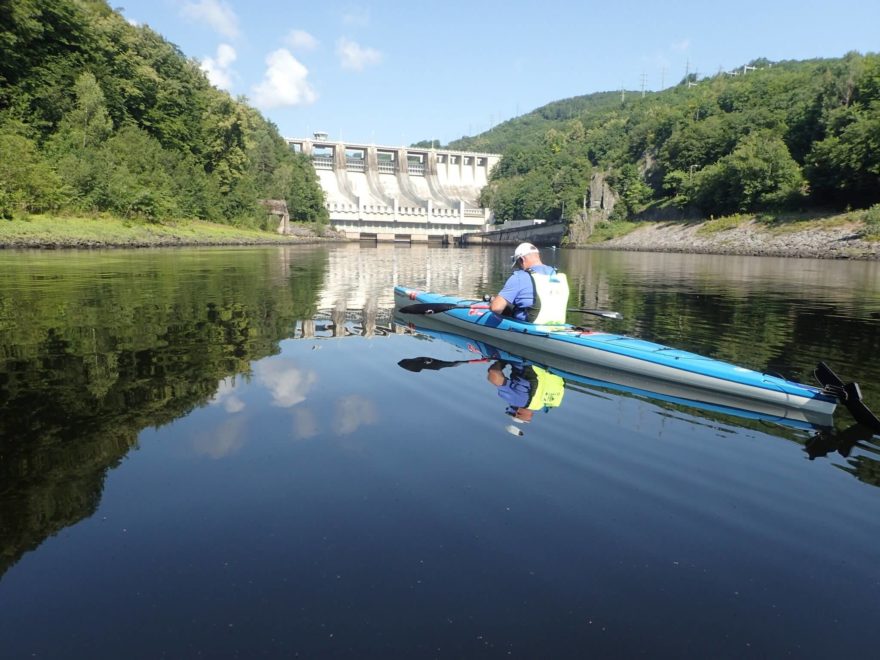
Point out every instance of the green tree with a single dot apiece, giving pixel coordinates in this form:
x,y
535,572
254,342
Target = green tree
x,y
73,69
28,183
633,191
759,173
88,124
136,181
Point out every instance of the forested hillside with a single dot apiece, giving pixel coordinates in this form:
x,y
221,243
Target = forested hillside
x,y
97,115
775,136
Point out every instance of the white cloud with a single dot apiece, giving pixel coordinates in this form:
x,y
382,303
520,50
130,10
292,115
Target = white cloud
x,y
301,40
355,57
225,55
215,13
218,69
284,83
224,440
287,383
352,412
226,396
682,45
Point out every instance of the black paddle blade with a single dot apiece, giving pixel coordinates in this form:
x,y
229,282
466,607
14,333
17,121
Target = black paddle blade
x,y
827,377
860,412
849,395
427,308
417,364
412,364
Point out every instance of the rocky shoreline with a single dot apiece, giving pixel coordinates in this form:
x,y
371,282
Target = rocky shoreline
x,y
749,238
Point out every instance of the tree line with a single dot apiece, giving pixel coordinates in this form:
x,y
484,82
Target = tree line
x,y
791,135
97,115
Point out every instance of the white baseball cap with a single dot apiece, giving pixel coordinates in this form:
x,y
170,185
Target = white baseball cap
x,y
523,249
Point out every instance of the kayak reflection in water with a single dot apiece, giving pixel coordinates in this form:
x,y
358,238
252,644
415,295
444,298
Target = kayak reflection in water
x,y
527,389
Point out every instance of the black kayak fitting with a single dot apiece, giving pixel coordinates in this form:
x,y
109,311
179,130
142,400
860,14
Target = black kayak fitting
x,y
848,394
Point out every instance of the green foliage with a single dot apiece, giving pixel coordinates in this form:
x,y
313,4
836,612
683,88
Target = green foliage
x,y
605,231
28,182
88,124
845,166
304,194
784,136
723,223
541,183
759,173
137,182
114,118
871,218
633,191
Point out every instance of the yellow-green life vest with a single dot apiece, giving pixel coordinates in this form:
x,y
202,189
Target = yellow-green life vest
x,y
548,391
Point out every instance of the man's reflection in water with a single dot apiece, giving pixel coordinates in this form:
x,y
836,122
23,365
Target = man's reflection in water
x,y
527,389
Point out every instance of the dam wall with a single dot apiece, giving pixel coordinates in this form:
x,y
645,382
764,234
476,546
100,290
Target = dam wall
x,y
388,193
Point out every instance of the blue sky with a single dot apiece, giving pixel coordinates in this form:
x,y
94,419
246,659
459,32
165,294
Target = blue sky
x,y
393,73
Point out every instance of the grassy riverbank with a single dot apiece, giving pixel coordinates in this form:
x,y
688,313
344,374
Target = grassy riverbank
x,y
47,231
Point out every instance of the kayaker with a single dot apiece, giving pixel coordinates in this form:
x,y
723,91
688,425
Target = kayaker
x,y
534,292
529,388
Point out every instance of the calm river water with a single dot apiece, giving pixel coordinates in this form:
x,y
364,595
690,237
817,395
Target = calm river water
x,y
214,452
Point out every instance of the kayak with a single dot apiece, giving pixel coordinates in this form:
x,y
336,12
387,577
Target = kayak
x,y
615,357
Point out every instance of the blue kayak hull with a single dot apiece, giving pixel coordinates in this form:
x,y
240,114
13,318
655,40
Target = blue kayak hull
x,y
569,348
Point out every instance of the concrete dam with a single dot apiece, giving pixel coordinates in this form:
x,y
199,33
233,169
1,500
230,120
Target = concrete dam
x,y
399,193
